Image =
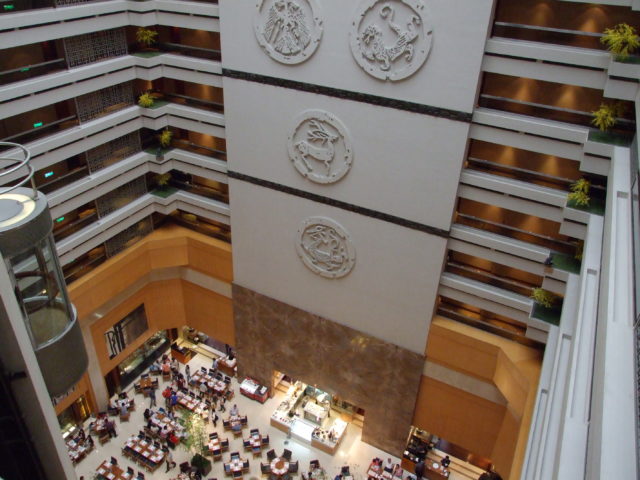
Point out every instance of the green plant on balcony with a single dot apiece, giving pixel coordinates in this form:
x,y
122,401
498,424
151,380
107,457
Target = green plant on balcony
x,y
162,180
146,100
579,250
579,194
146,36
621,40
605,117
544,297
165,138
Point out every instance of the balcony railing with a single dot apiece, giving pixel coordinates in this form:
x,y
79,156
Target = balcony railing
x,y
200,149
44,130
516,233
30,71
190,51
489,278
558,36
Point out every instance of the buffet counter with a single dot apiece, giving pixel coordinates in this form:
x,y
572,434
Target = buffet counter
x,y
287,418
182,354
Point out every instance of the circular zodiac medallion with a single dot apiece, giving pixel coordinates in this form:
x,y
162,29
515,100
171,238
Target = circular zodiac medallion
x,y
289,31
325,247
391,39
319,147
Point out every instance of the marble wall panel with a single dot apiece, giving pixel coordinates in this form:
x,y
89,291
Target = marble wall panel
x,y
378,376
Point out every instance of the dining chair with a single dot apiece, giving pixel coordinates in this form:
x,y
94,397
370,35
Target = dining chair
x,y
271,454
286,453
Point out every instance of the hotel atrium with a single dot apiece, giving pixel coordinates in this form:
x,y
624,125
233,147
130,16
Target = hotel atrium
x,y
403,206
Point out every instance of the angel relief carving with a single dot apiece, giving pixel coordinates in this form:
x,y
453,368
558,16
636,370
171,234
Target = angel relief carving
x,y
288,30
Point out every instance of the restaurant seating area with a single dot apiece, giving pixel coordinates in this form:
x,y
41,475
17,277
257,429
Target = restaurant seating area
x,y
259,451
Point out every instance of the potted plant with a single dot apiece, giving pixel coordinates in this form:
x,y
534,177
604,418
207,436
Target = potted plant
x,y
579,194
146,100
543,297
605,117
162,180
620,40
164,141
146,37
195,441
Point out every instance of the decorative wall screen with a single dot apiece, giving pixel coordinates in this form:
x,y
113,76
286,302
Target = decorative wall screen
x,y
111,152
62,3
121,196
95,104
128,237
96,46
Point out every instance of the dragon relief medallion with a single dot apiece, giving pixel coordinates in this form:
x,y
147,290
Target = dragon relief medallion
x,y
289,31
319,147
391,39
325,247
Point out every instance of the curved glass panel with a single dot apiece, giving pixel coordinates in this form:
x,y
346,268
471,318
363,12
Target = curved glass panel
x,y
41,292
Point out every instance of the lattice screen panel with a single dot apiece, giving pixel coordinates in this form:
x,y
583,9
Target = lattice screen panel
x,y
61,3
121,196
109,153
128,237
107,100
96,46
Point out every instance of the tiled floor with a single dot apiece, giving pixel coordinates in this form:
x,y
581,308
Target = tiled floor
x,y
352,451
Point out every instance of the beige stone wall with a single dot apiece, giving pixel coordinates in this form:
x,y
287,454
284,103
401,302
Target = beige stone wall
x,y
375,375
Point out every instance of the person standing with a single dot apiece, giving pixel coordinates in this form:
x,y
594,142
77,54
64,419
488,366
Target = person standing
x,y
214,418
152,398
169,458
187,371
419,469
111,428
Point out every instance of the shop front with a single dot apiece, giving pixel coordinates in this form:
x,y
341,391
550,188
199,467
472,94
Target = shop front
x,y
73,416
441,457
312,415
128,370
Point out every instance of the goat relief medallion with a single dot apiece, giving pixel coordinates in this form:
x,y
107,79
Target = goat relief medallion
x,y
325,247
319,147
289,31
391,39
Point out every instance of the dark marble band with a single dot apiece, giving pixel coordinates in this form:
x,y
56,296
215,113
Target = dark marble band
x,y
349,95
339,204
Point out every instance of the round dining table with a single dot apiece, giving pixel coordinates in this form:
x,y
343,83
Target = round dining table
x,y
279,466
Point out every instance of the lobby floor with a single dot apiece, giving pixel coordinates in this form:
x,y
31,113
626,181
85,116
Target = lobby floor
x,y
352,450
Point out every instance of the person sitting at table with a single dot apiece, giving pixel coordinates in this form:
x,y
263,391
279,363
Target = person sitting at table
x,y
123,409
173,439
166,368
113,402
203,387
155,367
147,414
164,432
234,411
389,466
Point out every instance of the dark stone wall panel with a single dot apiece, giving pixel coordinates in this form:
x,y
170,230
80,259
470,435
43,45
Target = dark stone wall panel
x,y
376,375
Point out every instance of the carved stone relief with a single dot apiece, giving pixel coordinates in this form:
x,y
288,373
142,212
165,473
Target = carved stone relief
x,y
320,147
325,247
391,39
289,31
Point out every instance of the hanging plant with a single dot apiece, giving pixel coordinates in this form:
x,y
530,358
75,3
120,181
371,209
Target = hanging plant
x,y
165,138
580,192
543,297
621,40
146,36
146,100
605,117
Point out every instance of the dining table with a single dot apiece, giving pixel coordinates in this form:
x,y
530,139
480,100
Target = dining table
x,y
145,449
279,466
110,471
213,384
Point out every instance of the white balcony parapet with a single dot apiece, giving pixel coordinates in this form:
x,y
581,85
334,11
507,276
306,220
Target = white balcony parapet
x,y
24,28
106,180
105,228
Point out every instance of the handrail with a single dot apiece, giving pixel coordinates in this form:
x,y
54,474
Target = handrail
x,y
587,115
27,68
48,125
538,236
15,165
547,29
